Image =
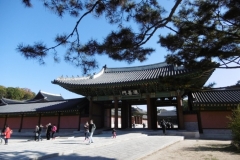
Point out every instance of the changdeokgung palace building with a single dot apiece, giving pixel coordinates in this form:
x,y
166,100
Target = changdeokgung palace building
x,y
110,94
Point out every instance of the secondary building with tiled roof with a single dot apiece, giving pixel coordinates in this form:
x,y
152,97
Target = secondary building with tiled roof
x,y
40,97
41,107
216,99
65,113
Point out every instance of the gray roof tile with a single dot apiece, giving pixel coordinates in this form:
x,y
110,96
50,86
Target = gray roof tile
x,y
125,74
217,96
44,106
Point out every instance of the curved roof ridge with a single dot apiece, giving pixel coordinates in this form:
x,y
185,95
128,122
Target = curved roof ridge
x,y
99,73
11,101
137,68
49,93
75,78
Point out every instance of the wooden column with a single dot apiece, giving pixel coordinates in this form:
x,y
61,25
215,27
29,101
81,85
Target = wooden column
x,y
116,113
110,121
59,121
79,120
124,115
129,115
154,114
180,112
20,128
39,119
200,129
5,122
149,112
90,108
190,101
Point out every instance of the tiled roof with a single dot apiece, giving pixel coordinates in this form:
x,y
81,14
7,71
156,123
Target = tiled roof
x,y
40,97
44,106
47,96
216,96
138,111
10,101
166,113
126,74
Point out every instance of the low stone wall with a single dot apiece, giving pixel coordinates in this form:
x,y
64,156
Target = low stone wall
x,y
224,134
191,126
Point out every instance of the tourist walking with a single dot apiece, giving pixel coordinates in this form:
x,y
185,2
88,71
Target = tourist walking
x,y
163,125
86,128
144,125
49,130
36,132
92,128
114,133
2,138
40,132
54,130
7,134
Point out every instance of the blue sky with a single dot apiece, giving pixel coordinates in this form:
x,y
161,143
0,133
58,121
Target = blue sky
x,y
28,25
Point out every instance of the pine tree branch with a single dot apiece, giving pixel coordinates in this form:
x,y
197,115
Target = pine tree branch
x,y
75,28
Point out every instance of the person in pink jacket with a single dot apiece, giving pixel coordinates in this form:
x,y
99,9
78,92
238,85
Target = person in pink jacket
x,y
7,133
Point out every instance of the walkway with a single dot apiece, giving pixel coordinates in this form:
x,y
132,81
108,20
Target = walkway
x,y
125,146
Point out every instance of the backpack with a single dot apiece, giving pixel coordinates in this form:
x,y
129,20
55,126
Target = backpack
x,y
54,128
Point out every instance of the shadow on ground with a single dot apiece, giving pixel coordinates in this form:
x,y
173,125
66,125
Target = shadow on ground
x,y
229,148
77,157
27,154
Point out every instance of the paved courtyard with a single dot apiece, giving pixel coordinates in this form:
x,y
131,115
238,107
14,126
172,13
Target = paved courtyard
x,y
126,146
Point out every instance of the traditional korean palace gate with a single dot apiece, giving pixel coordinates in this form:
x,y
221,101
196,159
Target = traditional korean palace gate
x,y
133,86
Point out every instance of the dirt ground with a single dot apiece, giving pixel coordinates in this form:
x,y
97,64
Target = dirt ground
x,y
196,150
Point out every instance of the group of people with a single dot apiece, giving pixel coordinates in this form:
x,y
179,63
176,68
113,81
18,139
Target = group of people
x,y
6,132
89,130
165,124
50,131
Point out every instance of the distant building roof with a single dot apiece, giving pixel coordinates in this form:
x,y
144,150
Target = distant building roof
x,y
40,97
45,106
138,111
167,113
5,101
232,87
47,96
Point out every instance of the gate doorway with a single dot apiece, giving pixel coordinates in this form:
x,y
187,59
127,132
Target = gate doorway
x,y
139,116
169,115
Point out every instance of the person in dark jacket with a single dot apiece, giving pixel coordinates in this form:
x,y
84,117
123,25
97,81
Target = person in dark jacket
x,y
49,130
92,128
163,125
86,128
